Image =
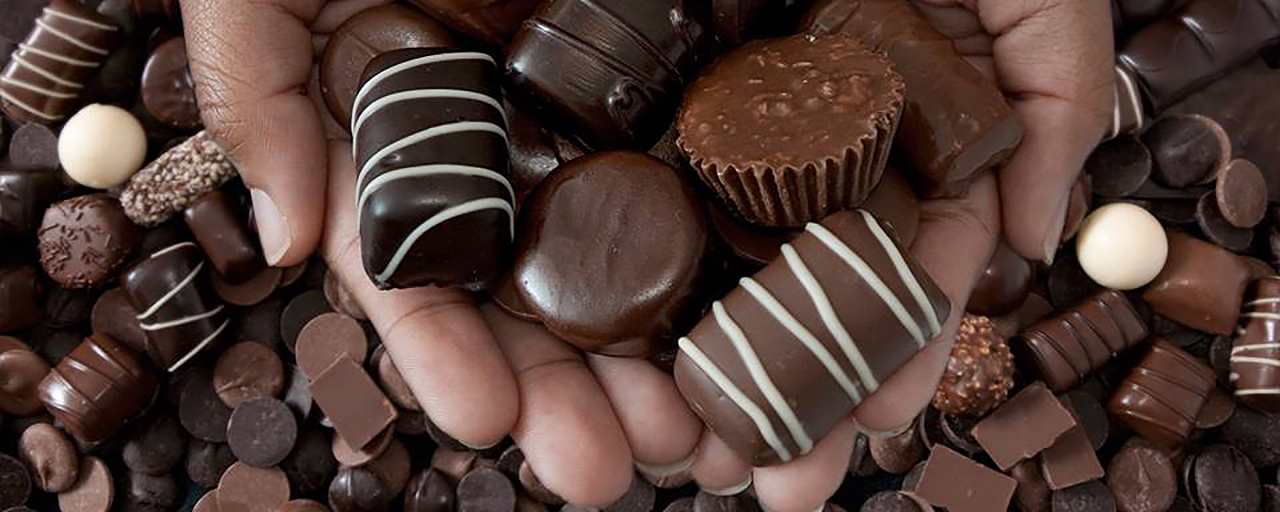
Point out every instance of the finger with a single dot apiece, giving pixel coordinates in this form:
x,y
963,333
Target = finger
x,y
955,241
567,430
805,484
661,430
436,336
251,62
717,469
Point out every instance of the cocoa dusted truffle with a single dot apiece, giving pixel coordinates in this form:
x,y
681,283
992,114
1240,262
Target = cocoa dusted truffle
x,y
980,373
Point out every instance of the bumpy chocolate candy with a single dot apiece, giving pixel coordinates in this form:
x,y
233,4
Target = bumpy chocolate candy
x,y
97,388
979,374
789,353
610,71
1163,394
434,202
178,309
1255,355
1071,345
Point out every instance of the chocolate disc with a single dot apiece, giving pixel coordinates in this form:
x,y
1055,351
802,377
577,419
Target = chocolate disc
x,y
1119,166
168,91
157,445
485,490
262,432
359,489
298,313
311,465
250,292
15,482
247,370
1216,227
1186,149
201,410
1242,194
244,487
326,338
94,490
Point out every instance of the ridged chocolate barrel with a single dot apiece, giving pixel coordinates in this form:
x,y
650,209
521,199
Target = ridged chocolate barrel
x,y
1072,344
96,388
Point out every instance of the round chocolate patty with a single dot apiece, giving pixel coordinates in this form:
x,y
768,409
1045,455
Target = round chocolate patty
x,y
262,432
201,411
15,482
248,370
168,91
1242,194
328,337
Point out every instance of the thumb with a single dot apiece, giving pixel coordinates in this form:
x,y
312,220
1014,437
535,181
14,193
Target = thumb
x,y
251,62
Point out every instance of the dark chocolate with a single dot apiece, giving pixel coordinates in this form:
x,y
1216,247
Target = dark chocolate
x,y
21,290
1003,285
21,372
1119,166
491,21
219,225
168,92
178,310
1071,345
24,195
1186,150
97,388
85,240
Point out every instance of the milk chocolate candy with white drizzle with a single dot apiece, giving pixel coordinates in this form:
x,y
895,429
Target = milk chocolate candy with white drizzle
x,y
1255,355
788,354
177,307
43,80
430,141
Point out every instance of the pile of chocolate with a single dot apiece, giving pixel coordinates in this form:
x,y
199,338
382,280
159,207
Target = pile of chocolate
x,y
727,187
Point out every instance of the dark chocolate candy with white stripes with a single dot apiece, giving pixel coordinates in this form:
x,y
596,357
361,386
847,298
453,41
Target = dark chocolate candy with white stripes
x,y
788,354
1255,354
44,77
434,202
177,307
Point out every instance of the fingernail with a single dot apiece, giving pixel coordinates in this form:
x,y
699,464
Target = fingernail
x,y
273,228
885,434
479,447
663,470
1056,226
731,490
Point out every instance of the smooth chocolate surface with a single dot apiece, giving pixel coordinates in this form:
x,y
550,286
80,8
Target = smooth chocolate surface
x,y
248,370
1221,478
790,352
961,485
218,223
21,372
21,289
83,241
97,388
1119,167
621,282
1074,343
244,487
1071,460
1201,286
1142,479
94,490
24,195
1163,394
262,432
607,71
1031,421
352,401
491,21
178,310
1241,192
54,462
429,491
1255,352
168,92
1003,285
1186,149
433,199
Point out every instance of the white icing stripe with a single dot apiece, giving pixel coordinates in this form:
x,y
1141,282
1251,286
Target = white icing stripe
x,y
200,346
1259,391
37,89
24,106
429,170
77,19
829,317
420,94
169,295
54,56
434,131
182,321
736,396
171,248
488,203
797,329
1255,346
869,276
904,273
1260,302
72,39
17,57
760,376
1264,316
413,63
1256,360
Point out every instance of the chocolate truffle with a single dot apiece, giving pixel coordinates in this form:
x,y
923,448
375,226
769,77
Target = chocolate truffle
x,y
979,374
20,292
782,151
97,388
24,195
1201,285
102,146
491,21
1163,394
85,240
44,77
955,122
433,200
619,282
178,309
609,71
833,318
1066,348
1255,354
1121,246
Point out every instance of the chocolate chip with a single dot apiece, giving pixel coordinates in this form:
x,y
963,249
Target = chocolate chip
x,y
1142,479
311,465
1216,411
429,491
34,145
1186,149
1216,228
707,502
156,493
247,370
1119,166
393,466
201,411
639,498
262,431
534,487
486,490
113,316
299,312
15,482
358,490
156,445
94,490
1087,497
1221,479
890,501
326,338
1032,493
1242,194
207,461
51,457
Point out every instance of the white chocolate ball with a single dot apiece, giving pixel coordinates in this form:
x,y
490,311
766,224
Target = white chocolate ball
x,y
102,146
1122,246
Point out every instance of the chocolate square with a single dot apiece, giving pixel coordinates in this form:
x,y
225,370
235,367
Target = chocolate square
x,y
354,403
961,485
1024,426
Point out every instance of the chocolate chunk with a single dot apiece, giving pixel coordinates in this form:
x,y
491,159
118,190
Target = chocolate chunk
x,y
262,431
1119,166
1072,345
21,372
51,457
157,445
248,370
534,487
1162,395
42,81
1024,426
1032,494
244,487
848,265
350,398
1087,497
955,122
433,200
1255,351
97,388
1003,285
490,21
1070,461
179,311
24,195
979,373
953,481
311,465
150,492
219,227
94,490
176,179
364,36
394,385
1242,194
1187,149
1221,478
35,145
1216,227
486,490
566,251
114,316
300,311
630,61
326,338
201,411
85,240
1201,286
897,454
1216,411
168,92
429,491
20,292
1142,479
207,461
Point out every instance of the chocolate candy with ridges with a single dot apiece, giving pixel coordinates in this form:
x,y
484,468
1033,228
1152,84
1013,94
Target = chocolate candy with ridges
x,y
844,306
20,292
433,200
1255,354
955,122
1163,394
178,309
1071,345
97,388
608,71
43,79
24,195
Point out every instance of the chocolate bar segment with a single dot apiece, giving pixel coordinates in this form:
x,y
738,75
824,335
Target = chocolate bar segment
x,y
961,485
1026,425
97,388
430,141
178,309
1071,345
1255,354
1163,394
788,354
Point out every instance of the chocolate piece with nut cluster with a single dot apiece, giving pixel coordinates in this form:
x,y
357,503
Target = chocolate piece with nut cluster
x,y
1163,394
955,122
1069,346
608,71
1255,353
434,203
97,388
177,308
979,373
845,305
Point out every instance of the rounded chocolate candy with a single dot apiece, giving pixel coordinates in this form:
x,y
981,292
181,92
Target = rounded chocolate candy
x,y
83,241
178,309
612,249
20,374
168,92
1122,246
262,431
1003,285
102,146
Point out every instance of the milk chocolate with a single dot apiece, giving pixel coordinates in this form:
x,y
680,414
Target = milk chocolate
x,y
1072,459
1163,394
844,306
608,71
83,241
961,485
178,309
1255,353
1066,348
97,388
353,402
1026,425
434,203
219,225
1201,286
955,122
